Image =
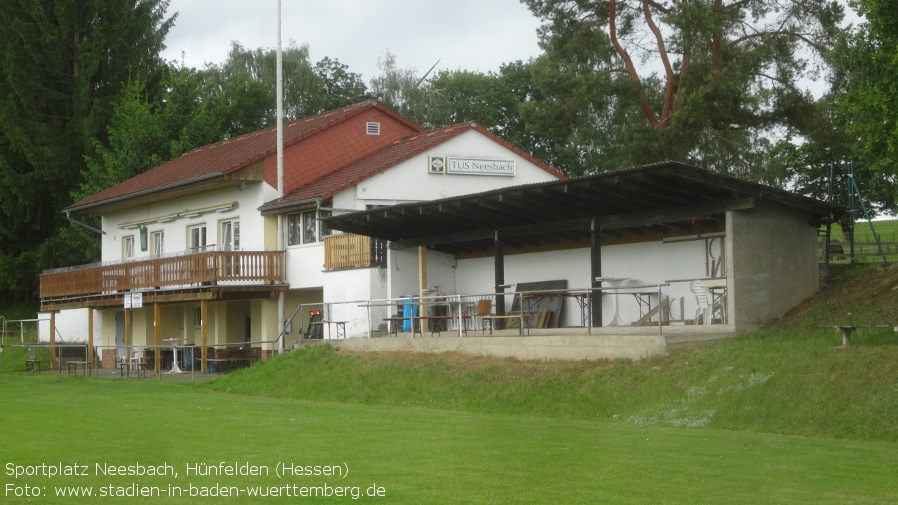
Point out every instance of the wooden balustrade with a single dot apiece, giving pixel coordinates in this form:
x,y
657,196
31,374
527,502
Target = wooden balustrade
x,y
204,268
350,251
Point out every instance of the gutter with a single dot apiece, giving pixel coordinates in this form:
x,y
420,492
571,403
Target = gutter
x,y
268,210
85,225
142,193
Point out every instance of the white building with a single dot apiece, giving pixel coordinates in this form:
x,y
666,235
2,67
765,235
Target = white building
x,y
190,249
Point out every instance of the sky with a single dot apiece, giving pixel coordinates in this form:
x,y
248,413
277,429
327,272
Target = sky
x,y
475,35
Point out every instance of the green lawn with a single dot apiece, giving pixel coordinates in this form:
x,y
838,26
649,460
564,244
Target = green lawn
x,y
784,415
412,455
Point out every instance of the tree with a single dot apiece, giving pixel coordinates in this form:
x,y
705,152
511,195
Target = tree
x,y
64,64
245,87
494,101
708,81
337,87
402,90
865,97
146,131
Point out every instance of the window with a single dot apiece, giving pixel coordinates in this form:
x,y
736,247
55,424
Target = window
x,y
158,244
230,235
197,238
293,227
323,230
128,247
305,227
309,228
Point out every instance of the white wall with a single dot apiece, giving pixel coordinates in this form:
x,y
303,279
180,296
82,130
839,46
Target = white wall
x,y
410,180
649,263
351,290
71,326
176,231
305,266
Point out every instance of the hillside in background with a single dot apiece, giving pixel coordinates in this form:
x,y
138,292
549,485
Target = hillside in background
x,y
792,377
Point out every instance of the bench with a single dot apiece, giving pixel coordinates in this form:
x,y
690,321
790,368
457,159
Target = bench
x,y
139,367
848,330
519,316
73,367
438,321
394,322
34,364
218,365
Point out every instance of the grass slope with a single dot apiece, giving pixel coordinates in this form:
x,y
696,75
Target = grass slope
x,y
790,378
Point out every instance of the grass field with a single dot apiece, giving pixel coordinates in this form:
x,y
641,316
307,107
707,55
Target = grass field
x,y
409,454
784,415
866,247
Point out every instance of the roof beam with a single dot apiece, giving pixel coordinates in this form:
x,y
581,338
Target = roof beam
x,y
634,219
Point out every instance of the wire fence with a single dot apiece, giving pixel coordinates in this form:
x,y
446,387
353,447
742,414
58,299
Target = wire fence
x,y
165,361
860,242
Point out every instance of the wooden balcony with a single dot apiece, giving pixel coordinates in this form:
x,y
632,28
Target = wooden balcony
x,y
201,269
353,251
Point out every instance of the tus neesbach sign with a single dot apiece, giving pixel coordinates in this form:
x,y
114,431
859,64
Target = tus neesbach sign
x,y
479,167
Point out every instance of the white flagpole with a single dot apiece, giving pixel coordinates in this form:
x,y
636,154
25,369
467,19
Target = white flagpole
x,y
280,165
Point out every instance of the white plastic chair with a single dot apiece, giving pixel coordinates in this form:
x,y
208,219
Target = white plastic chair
x,y
705,308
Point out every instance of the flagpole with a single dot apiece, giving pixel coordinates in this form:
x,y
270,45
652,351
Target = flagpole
x,y
280,166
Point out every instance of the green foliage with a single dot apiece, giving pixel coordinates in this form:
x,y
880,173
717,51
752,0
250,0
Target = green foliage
x,y
402,90
146,131
699,82
244,87
63,66
864,92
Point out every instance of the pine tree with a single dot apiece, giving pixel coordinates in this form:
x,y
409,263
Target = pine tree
x,y
63,65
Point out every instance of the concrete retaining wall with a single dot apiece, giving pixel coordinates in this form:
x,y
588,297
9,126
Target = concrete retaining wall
x,y
567,347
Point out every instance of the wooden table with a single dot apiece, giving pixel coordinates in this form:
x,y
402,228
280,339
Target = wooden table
x,y
339,325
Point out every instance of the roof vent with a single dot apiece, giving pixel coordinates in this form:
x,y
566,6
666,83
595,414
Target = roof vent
x,y
372,128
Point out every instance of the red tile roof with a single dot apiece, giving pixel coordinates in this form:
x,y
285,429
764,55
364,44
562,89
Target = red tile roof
x,y
387,157
225,157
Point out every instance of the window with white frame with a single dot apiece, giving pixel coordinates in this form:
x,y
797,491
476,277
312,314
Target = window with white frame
x,y
158,238
128,247
197,235
306,227
230,235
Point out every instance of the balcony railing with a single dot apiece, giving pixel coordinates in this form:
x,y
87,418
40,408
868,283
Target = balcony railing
x,y
351,251
204,268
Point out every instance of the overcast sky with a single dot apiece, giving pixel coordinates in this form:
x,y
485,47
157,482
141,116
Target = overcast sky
x,y
476,35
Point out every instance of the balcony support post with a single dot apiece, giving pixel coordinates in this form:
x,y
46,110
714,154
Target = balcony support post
x,y
204,315
90,335
52,339
157,326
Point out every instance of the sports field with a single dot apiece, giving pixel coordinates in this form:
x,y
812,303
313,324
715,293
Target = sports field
x,y
111,436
